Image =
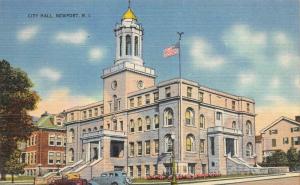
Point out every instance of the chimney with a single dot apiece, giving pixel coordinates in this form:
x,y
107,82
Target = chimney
x,y
297,118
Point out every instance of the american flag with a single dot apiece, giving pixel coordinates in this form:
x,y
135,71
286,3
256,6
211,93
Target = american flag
x,y
171,51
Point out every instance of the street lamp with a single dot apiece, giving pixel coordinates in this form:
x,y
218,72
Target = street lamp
x,y
40,172
174,180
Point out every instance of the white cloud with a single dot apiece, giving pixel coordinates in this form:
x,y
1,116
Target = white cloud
x,y
245,42
275,82
286,59
96,54
281,40
246,78
60,99
27,33
78,37
203,55
50,73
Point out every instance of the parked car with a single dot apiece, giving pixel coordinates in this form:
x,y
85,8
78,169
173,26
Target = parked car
x,y
69,182
111,178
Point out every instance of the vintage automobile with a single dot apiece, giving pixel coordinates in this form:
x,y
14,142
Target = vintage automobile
x,y
111,178
70,179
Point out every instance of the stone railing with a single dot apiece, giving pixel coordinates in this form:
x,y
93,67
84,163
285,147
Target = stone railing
x,y
221,129
128,65
104,132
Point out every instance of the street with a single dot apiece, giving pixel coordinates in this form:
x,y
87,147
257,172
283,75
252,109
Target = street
x,y
283,181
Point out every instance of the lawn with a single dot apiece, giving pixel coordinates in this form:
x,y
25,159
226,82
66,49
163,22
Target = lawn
x,y
20,178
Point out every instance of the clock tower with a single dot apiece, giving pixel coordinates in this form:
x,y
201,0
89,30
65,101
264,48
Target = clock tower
x,y
128,73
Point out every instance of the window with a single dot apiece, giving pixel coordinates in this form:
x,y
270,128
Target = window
x,y
202,121
234,125
140,149
140,124
295,140
148,123
156,146
59,141
131,102
189,116
273,142
95,111
189,92
168,144
139,170
233,105
249,149
131,125
58,158
121,126
190,143
115,98
108,126
295,129
115,124
72,116
168,117
89,130
147,143
51,157
168,92
95,128
51,140
212,145
90,113
156,121
201,96
131,171
274,131
71,154
84,114
147,99
156,96
219,115
83,131
202,141
249,128
147,170
248,107
121,45
285,140
191,168
131,149
101,110
136,46
155,169
139,101
128,45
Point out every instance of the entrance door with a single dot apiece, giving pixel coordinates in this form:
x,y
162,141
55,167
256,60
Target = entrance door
x,y
230,146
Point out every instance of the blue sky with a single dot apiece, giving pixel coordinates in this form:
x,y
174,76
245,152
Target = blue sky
x,y
249,48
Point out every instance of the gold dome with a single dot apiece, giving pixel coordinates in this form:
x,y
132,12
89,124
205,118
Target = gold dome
x,y
129,14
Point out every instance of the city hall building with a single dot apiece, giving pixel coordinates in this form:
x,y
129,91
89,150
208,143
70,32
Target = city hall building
x,y
140,122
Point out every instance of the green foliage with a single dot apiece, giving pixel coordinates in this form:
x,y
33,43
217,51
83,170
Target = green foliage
x,y
278,158
293,158
16,99
13,164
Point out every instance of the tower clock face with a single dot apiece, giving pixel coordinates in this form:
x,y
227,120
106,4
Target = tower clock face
x,y
140,84
114,85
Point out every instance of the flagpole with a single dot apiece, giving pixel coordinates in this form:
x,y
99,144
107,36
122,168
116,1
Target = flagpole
x,y
179,53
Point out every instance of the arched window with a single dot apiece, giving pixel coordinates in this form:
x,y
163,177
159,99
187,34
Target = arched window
x,y
156,121
234,125
131,122
121,45
202,121
168,117
136,46
115,124
95,128
115,102
190,140
189,116
83,131
140,124
249,128
168,143
249,149
148,123
71,154
128,45
71,135
89,130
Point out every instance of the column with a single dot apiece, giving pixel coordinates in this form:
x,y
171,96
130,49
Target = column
x,y
88,152
99,149
236,147
224,145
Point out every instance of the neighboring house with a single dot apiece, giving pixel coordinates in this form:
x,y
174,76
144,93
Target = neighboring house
x,y
133,128
282,134
44,151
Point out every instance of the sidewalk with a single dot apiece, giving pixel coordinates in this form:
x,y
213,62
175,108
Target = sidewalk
x,y
240,180
24,182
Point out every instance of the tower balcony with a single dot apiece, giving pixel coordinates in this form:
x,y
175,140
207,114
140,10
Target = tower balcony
x,y
224,130
128,66
102,133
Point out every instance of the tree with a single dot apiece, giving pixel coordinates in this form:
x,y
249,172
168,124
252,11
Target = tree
x,y
278,158
16,99
13,165
292,157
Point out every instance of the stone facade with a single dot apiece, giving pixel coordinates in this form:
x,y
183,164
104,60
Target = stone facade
x,y
140,122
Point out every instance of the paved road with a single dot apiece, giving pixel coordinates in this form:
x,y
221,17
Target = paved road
x,y
283,181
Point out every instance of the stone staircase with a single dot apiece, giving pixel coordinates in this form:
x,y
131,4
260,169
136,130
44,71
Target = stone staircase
x,y
236,165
